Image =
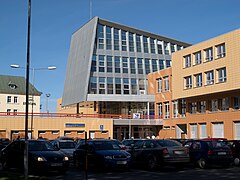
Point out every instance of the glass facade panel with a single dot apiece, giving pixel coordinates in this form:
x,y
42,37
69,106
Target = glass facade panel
x,y
116,39
152,46
101,63
133,86
126,86
124,64
100,36
138,43
140,65
118,85
168,63
166,48
154,65
124,40
108,38
117,64
133,65
145,44
161,64
101,85
147,66
109,64
131,42
94,63
109,85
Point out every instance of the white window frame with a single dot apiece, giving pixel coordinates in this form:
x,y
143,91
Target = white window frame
x,y
220,51
159,85
210,77
175,108
222,75
166,84
208,54
167,110
198,57
187,61
198,80
188,82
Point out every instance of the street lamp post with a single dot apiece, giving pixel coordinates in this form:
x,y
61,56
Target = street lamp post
x,y
47,95
33,82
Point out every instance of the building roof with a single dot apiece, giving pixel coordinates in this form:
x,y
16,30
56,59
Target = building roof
x,y
16,85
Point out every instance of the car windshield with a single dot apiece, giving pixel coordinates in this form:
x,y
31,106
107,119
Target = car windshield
x,y
40,146
166,143
66,145
217,144
106,145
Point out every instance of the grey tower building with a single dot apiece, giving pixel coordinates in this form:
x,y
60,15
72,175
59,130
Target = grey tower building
x,y
108,65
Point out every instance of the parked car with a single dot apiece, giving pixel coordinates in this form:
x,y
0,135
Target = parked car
x,y
65,138
4,142
66,146
153,153
42,156
101,153
177,154
129,143
235,147
209,152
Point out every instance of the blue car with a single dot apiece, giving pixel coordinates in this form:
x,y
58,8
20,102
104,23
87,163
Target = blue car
x,y
209,152
101,154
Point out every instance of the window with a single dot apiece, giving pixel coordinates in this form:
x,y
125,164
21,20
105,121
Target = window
x,y
8,111
154,65
183,108
159,85
159,106
198,80
116,39
224,104
213,105
94,63
175,109
159,47
101,63
125,86
193,108
198,57
222,75
117,64
124,41
118,85
125,65
132,65
220,51
161,64
172,48
93,85
168,63
166,48
208,54
109,85
108,38
101,85
100,36
188,82
209,77
145,44
187,61
167,112
166,84
9,99
140,65
15,99
141,83
236,102
202,107
131,42
152,45
138,43
109,64
134,86
15,111
147,66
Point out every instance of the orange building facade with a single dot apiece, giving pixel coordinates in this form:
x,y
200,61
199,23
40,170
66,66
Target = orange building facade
x,y
202,97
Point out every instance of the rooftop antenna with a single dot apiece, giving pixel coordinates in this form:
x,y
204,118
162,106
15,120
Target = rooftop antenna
x,y
90,9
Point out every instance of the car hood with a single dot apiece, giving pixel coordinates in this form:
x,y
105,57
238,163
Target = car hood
x,y
47,154
67,151
112,153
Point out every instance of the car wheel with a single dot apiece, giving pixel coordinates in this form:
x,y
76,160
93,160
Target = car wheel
x,y
202,163
152,163
4,165
236,161
76,163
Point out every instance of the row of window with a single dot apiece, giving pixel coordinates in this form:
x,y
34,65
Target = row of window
x,y
206,78
180,107
110,85
126,65
12,99
110,38
196,58
12,110
163,84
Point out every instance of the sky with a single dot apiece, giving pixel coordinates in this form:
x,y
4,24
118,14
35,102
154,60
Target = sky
x,y
54,21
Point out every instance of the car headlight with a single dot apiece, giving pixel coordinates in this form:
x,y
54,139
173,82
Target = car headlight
x,y
129,156
41,159
65,158
108,157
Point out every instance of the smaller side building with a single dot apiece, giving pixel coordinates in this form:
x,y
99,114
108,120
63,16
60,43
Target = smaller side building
x,y
205,97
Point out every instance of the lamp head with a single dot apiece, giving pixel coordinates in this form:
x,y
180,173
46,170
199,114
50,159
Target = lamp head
x,y
52,67
14,66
